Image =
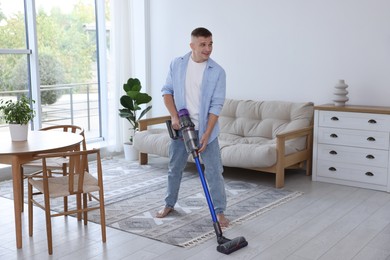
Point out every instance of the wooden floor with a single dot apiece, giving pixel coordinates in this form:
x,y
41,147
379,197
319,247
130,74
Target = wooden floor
x,y
327,222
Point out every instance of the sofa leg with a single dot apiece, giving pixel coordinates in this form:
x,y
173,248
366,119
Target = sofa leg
x,y
279,182
143,158
308,167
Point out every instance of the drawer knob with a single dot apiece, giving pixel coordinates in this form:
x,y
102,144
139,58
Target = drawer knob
x,y
334,118
372,121
333,152
371,139
333,136
332,169
370,156
369,174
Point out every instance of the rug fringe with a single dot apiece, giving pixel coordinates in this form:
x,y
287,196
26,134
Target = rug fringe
x,y
240,220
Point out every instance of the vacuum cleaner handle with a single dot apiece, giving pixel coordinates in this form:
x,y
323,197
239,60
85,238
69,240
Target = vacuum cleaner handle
x,y
225,245
190,141
207,193
173,133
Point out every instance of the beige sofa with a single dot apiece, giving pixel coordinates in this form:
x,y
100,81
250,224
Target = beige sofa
x,y
266,136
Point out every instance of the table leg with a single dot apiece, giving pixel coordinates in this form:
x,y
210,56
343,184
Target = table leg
x,y
17,200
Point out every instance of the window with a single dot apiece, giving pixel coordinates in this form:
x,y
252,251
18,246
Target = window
x,y
13,49
64,33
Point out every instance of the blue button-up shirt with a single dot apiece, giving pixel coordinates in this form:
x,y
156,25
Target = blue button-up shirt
x,y
213,90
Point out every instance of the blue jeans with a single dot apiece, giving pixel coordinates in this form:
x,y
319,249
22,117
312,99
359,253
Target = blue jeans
x,y
211,159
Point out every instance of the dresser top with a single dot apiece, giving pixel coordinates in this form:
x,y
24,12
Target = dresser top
x,y
354,108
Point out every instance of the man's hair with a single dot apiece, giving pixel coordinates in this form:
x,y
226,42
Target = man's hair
x,y
201,32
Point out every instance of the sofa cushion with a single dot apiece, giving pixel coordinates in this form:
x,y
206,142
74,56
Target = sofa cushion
x,y
249,129
250,155
247,118
153,141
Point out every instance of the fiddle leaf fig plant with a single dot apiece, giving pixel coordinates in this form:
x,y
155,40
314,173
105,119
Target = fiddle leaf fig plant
x,y
17,112
131,101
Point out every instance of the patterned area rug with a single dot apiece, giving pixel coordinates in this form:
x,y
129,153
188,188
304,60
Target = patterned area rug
x,y
134,193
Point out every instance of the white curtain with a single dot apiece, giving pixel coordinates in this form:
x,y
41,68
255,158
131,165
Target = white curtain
x,y
120,69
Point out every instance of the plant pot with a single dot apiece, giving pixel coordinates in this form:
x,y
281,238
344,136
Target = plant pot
x,y
131,154
18,132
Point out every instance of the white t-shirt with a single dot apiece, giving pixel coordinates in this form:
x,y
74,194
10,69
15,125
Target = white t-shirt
x,y
194,79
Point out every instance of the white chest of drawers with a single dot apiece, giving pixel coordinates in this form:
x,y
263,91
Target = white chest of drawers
x,y
351,146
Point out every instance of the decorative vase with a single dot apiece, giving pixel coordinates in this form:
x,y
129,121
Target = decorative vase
x,y
340,93
18,132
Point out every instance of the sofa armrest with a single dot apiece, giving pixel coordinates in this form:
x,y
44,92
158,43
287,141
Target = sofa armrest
x,y
306,131
284,161
144,123
283,137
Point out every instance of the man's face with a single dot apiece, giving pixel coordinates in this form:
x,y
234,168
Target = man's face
x,y
201,48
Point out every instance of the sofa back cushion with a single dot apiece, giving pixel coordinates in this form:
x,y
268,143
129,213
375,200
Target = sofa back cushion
x,y
249,128
264,119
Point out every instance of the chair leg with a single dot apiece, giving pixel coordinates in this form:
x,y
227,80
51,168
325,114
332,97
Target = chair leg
x,y
64,173
30,211
65,204
79,206
85,206
22,189
102,216
48,224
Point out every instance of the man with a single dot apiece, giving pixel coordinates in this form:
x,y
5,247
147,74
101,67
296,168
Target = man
x,y
197,83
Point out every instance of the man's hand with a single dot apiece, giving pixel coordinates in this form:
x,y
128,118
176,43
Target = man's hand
x,y
175,122
203,143
170,104
205,138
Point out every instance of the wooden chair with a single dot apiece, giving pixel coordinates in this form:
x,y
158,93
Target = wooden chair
x,y
78,182
57,165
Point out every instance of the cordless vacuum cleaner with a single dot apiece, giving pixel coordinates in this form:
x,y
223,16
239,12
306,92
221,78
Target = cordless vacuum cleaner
x,y
225,245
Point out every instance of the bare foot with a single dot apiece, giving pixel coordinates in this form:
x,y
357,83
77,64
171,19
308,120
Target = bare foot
x,y
223,221
164,212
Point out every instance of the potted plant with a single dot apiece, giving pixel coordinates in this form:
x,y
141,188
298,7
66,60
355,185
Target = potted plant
x,y
17,114
132,111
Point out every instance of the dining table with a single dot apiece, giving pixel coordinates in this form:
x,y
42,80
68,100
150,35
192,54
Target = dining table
x,y
16,153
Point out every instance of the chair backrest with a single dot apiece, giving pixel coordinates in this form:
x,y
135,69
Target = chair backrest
x,y
78,170
68,128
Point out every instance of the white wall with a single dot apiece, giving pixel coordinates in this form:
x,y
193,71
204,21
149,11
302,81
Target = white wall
x,y
281,49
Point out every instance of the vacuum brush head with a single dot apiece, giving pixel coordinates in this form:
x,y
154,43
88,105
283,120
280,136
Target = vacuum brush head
x,y
232,245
